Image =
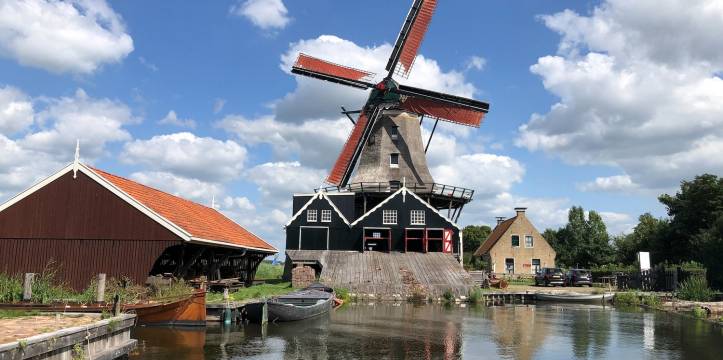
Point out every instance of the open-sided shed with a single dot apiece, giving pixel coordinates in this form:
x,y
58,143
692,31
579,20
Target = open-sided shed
x,y
87,221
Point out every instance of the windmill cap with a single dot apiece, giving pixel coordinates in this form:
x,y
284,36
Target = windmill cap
x,y
520,209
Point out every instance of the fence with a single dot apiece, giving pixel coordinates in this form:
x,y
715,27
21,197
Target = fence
x,y
658,278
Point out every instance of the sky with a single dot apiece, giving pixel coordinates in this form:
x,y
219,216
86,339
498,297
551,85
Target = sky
x,y
600,104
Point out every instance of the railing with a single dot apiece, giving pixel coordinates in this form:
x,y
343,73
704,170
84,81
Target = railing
x,y
381,187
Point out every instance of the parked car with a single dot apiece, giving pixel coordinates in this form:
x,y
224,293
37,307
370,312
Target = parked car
x,y
578,277
549,276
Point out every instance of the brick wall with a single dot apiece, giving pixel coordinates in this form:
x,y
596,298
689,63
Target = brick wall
x,y
302,276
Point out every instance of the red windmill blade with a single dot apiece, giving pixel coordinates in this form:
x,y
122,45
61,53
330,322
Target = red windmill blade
x,y
321,69
410,37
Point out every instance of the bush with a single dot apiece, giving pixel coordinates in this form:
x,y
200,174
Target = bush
x,y
343,294
475,296
448,296
695,289
652,301
11,288
699,312
627,298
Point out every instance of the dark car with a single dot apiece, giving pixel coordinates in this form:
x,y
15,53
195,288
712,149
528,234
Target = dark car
x,y
549,276
578,277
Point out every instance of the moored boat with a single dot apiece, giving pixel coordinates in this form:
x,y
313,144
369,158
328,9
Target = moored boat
x,y
575,297
298,305
186,311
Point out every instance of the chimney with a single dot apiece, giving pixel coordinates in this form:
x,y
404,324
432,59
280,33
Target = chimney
x,y
520,211
500,219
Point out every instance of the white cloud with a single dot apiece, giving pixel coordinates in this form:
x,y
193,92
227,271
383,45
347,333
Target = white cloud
x,y
218,105
172,119
149,65
487,174
618,223
95,122
187,188
635,94
16,110
75,36
239,202
315,142
188,155
476,63
276,181
265,14
616,183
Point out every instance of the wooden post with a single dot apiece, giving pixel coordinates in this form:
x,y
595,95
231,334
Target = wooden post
x,y
100,294
28,286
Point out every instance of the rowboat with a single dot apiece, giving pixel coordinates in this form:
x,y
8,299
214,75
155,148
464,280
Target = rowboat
x,y
298,305
575,297
186,311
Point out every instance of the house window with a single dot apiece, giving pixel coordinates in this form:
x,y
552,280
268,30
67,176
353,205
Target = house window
x,y
325,215
394,132
535,265
389,217
529,242
417,217
510,266
515,241
310,215
394,160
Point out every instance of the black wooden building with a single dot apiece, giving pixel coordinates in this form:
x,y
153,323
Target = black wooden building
x,y
402,221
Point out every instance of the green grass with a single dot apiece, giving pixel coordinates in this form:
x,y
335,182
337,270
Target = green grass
x,y
475,296
699,313
695,289
266,271
253,292
627,299
11,288
12,314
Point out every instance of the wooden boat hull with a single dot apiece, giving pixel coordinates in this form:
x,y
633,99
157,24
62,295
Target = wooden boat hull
x,y
292,307
190,311
576,298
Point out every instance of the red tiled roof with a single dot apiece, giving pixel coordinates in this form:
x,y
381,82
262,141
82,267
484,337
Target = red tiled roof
x,y
496,234
200,221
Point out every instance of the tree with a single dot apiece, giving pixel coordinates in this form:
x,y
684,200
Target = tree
x,y
648,235
709,247
474,236
582,242
692,210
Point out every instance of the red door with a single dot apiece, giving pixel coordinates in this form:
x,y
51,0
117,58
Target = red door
x,y
447,241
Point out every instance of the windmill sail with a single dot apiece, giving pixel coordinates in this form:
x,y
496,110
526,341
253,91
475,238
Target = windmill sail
x,y
411,36
344,161
325,70
443,106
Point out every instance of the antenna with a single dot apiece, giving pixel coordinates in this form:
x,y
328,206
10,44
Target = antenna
x,y
76,162
213,201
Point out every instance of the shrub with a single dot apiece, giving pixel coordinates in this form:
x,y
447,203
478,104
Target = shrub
x,y
652,301
343,294
448,296
699,312
695,289
627,298
475,296
11,288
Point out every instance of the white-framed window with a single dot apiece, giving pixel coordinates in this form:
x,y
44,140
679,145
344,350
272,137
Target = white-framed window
x,y
310,215
325,215
515,240
416,217
529,241
394,160
389,217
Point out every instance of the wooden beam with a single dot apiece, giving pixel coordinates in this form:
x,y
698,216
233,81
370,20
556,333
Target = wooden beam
x,y
430,135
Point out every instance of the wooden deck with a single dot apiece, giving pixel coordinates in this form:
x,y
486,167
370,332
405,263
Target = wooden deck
x,y
389,276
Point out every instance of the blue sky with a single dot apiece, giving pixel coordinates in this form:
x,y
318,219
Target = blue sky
x,y
603,104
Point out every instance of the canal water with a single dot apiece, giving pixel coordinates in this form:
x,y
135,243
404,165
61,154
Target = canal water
x,y
405,331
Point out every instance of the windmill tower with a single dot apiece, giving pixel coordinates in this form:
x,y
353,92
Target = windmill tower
x,y
386,146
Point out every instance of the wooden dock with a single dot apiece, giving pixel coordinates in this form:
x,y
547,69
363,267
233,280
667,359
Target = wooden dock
x,y
388,276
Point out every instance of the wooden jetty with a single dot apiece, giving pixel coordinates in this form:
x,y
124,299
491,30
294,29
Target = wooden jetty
x,y
388,276
104,339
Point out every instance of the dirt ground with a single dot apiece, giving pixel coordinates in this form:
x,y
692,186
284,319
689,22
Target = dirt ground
x,y
554,289
14,329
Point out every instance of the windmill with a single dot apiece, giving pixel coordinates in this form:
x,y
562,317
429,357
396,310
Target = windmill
x,y
389,121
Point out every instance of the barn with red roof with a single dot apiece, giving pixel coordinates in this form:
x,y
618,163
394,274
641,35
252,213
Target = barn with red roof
x,y
85,221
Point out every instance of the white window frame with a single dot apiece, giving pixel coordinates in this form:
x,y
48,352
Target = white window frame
x,y
532,265
519,241
311,216
392,165
325,215
388,215
414,218
532,241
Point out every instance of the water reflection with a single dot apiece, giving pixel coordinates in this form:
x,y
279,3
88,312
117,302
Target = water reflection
x,y
403,331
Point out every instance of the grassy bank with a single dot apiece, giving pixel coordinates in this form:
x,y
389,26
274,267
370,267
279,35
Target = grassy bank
x,y
253,292
12,314
267,271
